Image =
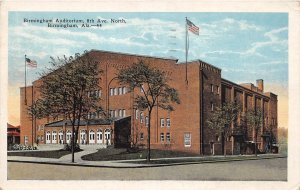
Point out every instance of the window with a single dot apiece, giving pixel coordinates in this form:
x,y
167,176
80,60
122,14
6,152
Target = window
x,y
111,92
141,117
168,137
124,113
115,91
146,121
112,113
25,140
124,90
187,139
162,122
212,106
218,90
141,136
168,122
120,113
212,88
98,114
120,91
92,115
115,113
136,114
217,138
162,137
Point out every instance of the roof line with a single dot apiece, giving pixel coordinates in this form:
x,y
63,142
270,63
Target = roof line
x,y
200,61
130,54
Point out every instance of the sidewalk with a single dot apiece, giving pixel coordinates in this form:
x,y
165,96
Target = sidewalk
x,y
139,163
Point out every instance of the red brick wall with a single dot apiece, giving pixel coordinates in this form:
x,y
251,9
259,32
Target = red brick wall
x,y
188,115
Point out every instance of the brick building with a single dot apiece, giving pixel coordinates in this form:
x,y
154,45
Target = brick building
x,y
184,129
13,134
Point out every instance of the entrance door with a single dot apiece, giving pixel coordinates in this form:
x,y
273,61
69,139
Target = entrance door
x,y
91,137
61,137
83,137
107,137
99,136
69,136
48,137
53,137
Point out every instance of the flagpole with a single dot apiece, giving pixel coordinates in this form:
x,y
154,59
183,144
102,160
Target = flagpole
x,y
186,50
25,83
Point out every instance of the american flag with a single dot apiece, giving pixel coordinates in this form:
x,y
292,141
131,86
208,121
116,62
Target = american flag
x,y
31,63
193,28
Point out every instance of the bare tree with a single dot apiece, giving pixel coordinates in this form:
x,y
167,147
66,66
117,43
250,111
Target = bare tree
x,y
155,90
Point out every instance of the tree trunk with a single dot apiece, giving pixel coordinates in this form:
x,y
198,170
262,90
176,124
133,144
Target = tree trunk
x,y
255,144
224,146
72,142
148,138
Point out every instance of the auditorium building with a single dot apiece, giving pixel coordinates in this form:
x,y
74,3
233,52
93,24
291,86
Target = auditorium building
x,y
184,129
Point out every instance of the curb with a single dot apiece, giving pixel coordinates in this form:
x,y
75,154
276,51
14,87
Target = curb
x,y
148,165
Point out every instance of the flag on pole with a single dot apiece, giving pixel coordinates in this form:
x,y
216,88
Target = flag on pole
x,y
192,27
31,63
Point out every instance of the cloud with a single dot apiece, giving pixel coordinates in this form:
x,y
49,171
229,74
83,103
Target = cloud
x,y
273,40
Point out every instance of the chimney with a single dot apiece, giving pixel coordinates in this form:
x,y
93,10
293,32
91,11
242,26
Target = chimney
x,y
260,84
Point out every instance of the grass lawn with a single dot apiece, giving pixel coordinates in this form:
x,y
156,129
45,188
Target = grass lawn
x,y
42,154
122,154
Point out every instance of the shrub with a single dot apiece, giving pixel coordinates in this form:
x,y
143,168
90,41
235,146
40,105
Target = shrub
x,y
68,147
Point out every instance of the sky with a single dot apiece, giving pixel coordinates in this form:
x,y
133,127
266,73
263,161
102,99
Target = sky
x,y
246,46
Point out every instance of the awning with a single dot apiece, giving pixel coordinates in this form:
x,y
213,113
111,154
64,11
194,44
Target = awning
x,y
13,133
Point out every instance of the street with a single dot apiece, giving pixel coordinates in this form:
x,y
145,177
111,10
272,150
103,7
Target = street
x,y
266,169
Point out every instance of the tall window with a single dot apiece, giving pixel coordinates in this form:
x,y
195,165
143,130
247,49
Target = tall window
x,y
115,91
187,139
141,117
112,113
168,122
162,122
141,136
146,121
123,113
142,87
218,90
136,114
162,137
212,88
120,113
168,137
120,91
212,106
111,90
124,90
25,140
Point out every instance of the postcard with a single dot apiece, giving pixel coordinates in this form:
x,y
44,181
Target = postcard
x,y
153,95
